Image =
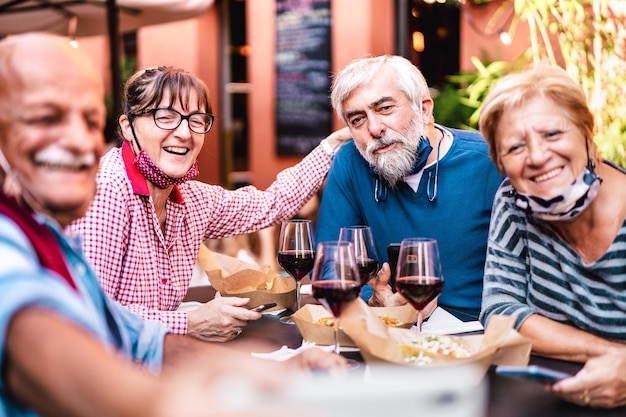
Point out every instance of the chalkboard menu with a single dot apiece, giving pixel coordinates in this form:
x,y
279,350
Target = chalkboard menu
x,y
303,111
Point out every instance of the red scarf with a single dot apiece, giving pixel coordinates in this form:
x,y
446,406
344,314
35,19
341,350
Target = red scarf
x,y
46,246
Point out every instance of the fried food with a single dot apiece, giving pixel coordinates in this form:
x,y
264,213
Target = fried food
x,y
330,321
389,320
326,321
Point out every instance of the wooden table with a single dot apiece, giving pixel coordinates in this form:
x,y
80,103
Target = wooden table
x,y
508,397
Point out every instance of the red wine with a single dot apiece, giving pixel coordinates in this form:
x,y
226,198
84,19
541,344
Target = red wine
x,y
336,295
419,291
367,269
296,263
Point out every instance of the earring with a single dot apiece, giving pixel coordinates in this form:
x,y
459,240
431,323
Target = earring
x,y
591,164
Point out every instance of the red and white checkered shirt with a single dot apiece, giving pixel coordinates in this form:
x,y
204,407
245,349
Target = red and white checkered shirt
x,y
149,273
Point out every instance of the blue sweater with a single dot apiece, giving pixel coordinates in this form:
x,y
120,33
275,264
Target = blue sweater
x,y
458,218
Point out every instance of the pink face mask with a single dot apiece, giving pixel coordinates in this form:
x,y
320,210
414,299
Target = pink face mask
x,y
155,175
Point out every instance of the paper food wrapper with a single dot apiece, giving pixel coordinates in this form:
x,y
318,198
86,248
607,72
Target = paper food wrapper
x,y
499,345
233,277
307,317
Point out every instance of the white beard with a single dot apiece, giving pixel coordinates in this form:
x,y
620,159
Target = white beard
x,y
397,163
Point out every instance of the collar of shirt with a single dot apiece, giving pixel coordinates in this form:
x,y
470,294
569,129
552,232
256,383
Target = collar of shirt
x,y
138,181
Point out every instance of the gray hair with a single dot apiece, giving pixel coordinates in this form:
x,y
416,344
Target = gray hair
x,y
408,79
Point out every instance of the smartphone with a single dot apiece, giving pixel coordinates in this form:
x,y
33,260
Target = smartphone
x,y
263,307
533,373
393,251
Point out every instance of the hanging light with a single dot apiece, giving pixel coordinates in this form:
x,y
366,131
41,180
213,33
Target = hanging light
x,y
418,41
72,24
505,38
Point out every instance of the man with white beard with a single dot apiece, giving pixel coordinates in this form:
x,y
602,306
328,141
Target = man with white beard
x,y
405,176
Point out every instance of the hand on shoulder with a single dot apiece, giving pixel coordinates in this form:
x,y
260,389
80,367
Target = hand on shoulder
x,y
337,138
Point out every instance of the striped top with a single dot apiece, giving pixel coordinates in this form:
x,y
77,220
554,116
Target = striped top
x,y
529,269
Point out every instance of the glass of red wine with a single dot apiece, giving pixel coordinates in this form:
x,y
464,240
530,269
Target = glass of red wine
x,y
419,278
335,279
361,238
296,253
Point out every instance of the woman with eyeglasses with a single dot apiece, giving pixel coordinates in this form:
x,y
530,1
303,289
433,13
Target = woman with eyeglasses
x,y
149,218
556,258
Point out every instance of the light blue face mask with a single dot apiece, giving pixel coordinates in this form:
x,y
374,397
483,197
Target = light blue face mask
x,y
566,206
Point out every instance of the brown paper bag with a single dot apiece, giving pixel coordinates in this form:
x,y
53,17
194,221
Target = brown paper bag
x,y
233,277
500,344
307,317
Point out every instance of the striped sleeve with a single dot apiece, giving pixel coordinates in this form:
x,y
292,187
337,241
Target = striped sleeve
x,y
505,285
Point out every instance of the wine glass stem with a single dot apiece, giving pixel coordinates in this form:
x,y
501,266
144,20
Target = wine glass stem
x,y
297,295
419,321
336,335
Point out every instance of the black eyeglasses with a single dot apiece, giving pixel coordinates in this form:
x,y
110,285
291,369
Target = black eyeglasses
x,y
170,119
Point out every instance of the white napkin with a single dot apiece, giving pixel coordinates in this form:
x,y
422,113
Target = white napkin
x,y
306,289
285,352
273,312
192,305
442,322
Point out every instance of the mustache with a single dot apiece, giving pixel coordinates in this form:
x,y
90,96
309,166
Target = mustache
x,y
57,155
382,142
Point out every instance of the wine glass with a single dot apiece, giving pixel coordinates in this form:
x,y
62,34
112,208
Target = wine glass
x,y
361,238
419,278
295,253
335,279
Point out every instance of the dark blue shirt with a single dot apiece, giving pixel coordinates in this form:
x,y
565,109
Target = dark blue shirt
x,y
458,218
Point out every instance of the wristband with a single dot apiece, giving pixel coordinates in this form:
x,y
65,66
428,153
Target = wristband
x,y
328,149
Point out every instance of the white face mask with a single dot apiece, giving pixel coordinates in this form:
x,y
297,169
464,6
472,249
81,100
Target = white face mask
x,y
572,201
15,187
11,185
